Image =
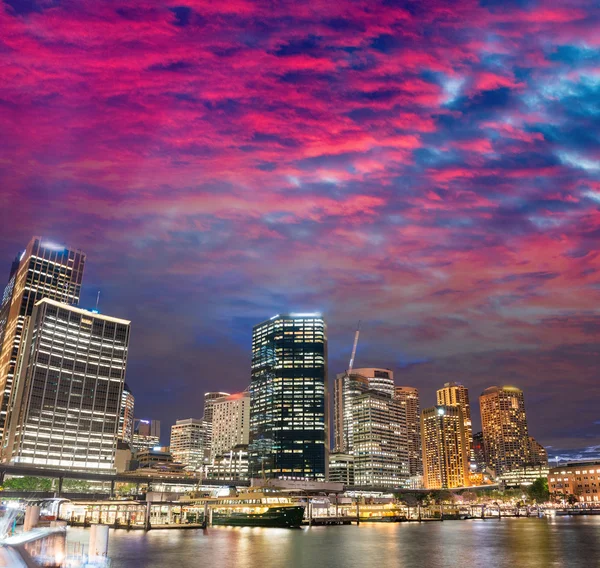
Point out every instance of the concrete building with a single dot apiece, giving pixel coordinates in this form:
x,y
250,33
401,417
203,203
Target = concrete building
x,y
345,388
579,479
230,466
42,270
207,417
289,417
538,456
445,455
504,426
380,443
146,434
409,398
479,460
126,416
230,423
341,468
69,388
456,394
188,443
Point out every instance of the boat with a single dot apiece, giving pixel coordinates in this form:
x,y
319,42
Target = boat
x,y
256,507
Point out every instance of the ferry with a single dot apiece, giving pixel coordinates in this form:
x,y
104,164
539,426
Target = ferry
x,y
259,507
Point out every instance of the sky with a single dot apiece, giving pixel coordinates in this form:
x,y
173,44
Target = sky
x,y
431,168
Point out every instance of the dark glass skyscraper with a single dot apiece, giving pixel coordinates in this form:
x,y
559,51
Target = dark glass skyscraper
x,y
43,270
289,434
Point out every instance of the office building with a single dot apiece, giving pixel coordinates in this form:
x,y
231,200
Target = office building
x,y
456,394
230,423
479,462
42,270
380,443
288,411
538,456
409,398
504,426
230,466
69,388
345,388
578,479
188,443
445,452
146,434
341,468
207,417
126,416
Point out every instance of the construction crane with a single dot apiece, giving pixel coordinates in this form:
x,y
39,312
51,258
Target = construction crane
x,y
351,364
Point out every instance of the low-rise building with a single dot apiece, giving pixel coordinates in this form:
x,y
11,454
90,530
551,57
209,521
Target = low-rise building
x,y
581,479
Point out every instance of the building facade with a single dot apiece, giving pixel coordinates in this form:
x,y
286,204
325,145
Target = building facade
x,y
409,398
504,426
43,270
126,416
230,423
479,459
341,468
538,456
456,394
380,444
188,443
146,434
345,388
580,479
445,455
67,401
289,434
230,466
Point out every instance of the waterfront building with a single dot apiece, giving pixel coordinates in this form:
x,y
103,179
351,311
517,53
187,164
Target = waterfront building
x,y
230,466
479,460
69,387
380,443
289,435
42,270
345,388
581,479
207,417
445,450
538,456
522,476
409,398
188,443
456,394
126,416
504,426
341,468
146,434
230,423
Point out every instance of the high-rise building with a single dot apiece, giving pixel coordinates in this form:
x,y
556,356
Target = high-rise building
x,y
66,409
188,443
341,468
230,423
126,416
479,453
209,399
409,398
504,426
146,434
538,456
380,442
456,394
42,270
345,388
445,455
288,393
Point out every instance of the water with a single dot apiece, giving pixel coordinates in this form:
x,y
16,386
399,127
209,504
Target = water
x,y
510,543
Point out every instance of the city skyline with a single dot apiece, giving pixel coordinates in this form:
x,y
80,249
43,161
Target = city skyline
x,y
421,170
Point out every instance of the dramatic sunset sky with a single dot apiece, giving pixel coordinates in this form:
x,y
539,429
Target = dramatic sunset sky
x,y
431,168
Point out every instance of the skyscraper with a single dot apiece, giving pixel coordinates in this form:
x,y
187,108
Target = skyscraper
x,y
288,398
207,417
445,455
43,270
146,434
126,416
230,423
409,398
504,426
345,389
188,443
68,393
456,394
380,442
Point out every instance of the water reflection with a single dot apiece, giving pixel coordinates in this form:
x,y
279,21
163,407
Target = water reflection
x,y
510,543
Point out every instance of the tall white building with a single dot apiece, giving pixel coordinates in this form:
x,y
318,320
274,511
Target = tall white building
x,y
188,443
230,423
126,416
68,389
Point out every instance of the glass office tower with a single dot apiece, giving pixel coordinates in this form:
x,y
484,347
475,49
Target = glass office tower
x,y
289,434
68,395
42,270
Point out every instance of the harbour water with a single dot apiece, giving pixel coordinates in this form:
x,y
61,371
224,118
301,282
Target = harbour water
x,y
510,543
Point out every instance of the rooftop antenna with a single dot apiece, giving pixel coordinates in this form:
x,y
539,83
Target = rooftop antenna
x,y
97,300
351,364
